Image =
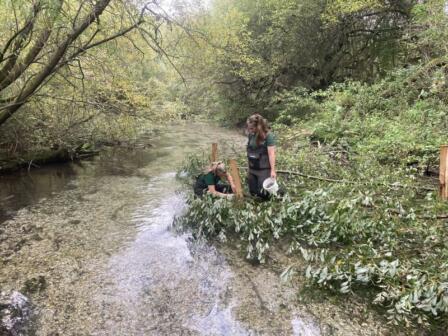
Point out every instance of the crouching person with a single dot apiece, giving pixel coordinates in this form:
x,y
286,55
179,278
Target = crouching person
x,y
216,181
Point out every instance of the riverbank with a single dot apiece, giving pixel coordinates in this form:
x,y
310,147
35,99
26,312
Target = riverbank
x,y
10,164
316,312
92,247
357,226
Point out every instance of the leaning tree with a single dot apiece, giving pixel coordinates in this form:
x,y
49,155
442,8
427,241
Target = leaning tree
x,y
41,37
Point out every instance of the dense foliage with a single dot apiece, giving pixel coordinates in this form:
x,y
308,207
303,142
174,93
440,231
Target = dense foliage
x,y
82,72
357,92
357,225
253,49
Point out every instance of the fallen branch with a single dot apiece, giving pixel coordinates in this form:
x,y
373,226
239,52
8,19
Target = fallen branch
x,y
425,216
393,185
319,178
288,172
433,217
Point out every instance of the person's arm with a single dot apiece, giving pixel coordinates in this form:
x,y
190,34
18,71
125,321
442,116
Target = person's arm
x,y
231,182
212,190
271,155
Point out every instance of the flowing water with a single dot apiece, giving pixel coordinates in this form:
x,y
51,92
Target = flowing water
x,y
90,244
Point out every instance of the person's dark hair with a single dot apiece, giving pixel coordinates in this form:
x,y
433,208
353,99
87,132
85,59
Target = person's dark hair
x,y
260,125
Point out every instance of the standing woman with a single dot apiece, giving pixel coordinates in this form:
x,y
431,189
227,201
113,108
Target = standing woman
x,y
260,154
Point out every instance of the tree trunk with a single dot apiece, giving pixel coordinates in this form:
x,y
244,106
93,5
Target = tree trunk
x,y
53,62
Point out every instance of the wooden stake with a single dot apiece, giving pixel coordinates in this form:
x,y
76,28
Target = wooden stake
x,y
214,156
443,175
235,173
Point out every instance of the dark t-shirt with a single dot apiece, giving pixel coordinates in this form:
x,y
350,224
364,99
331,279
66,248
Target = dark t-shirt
x,y
208,179
269,141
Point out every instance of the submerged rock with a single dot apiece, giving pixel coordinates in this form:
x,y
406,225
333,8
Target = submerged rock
x,y
15,312
36,284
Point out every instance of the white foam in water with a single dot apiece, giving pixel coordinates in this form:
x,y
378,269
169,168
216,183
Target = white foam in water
x,y
300,327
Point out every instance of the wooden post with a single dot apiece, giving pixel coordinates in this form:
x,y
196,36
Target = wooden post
x,y
214,156
443,175
235,173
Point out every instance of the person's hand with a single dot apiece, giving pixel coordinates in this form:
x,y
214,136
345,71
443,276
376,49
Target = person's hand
x,y
233,186
273,174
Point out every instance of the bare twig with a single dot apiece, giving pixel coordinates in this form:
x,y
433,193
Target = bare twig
x,y
319,178
393,185
433,216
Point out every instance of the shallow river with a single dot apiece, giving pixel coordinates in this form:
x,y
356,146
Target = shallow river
x,y
90,244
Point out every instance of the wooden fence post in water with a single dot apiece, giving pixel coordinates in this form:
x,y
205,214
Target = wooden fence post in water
x,y
443,175
214,156
235,173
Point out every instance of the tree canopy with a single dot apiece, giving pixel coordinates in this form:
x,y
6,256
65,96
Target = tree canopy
x,y
44,39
